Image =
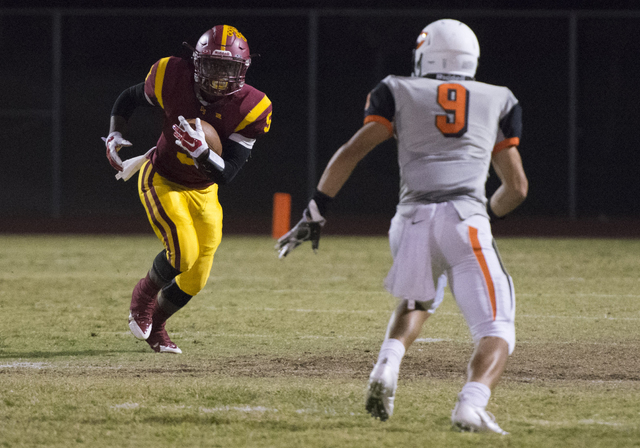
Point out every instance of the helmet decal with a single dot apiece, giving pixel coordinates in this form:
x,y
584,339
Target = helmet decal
x,y
421,39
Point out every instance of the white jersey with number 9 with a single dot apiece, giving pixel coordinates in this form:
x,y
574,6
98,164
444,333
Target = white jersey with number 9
x,y
447,130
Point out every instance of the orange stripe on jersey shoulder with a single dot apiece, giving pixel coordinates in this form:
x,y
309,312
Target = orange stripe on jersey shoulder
x,y
381,120
506,143
159,81
477,250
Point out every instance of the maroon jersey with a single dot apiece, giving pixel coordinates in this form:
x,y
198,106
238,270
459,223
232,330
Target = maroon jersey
x,y
170,85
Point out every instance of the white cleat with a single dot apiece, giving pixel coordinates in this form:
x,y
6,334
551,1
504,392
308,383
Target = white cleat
x,y
159,341
466,417
381,391
171,348
140,326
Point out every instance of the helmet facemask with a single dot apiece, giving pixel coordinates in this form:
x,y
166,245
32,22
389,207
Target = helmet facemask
x,y
219,74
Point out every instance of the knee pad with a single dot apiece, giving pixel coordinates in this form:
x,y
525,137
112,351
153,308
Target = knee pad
x,y
498,328
161,271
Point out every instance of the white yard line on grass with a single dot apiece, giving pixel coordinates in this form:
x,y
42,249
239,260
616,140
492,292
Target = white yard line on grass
x,y
566,423
125,406
245,408
25,365
241,408
264,336
435,340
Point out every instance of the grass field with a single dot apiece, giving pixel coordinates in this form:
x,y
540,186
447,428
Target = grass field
x,y
277,352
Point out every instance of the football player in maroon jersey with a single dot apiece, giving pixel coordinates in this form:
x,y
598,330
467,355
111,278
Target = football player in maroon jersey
x,y
178,185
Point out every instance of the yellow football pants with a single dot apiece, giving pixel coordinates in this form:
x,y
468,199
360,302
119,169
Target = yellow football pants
x,y
187,221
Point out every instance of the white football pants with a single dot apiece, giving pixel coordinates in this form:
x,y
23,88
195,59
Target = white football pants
x,y
430,244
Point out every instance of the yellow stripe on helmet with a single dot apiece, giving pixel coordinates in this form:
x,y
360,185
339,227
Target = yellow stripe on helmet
x,y
225,34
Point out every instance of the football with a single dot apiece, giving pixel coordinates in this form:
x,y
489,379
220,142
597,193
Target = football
x,y
211,135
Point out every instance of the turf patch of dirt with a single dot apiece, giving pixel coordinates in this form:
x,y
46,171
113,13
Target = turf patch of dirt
x,y
529,362
441,360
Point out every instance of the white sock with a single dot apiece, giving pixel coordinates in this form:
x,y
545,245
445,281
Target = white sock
x,y
392,350
476,394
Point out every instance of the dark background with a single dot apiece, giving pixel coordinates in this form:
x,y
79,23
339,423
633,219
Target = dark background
x,y
107,50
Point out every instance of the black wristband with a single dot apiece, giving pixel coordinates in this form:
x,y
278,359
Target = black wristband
x,y
492,216
322,201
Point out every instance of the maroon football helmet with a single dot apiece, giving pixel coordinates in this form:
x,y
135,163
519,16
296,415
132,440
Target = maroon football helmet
x,y
221,60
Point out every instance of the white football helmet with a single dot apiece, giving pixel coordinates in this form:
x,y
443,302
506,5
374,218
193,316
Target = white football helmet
x,y
446,46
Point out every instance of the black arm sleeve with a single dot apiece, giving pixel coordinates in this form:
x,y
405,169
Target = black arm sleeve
x,y
129,100
381,102
234,155
511,124
322,201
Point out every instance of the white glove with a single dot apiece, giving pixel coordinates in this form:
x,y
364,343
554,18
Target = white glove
x,y
114,142
307,229
192,140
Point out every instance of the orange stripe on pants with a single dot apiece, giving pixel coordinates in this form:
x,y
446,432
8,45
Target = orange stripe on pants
x,y
477,250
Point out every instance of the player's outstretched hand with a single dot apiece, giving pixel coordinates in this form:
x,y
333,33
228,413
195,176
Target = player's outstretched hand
x,y
193,140
114,142
307,229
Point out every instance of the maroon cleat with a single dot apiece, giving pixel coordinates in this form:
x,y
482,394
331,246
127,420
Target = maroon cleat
x,y
159,341
143,301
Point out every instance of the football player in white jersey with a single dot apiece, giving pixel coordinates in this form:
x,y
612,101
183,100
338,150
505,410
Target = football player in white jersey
x,y
449,129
